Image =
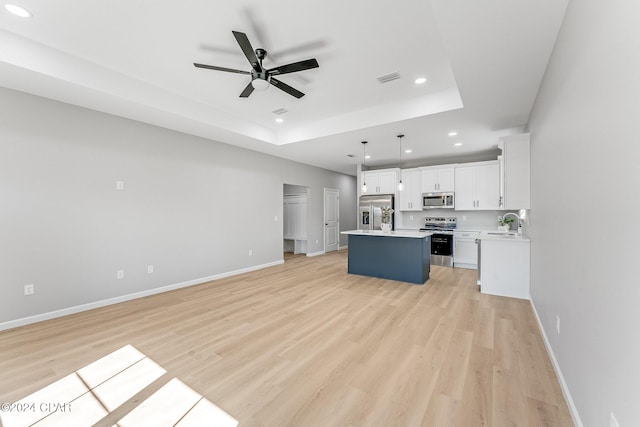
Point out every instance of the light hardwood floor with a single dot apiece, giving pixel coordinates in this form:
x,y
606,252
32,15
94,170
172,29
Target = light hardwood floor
x,y
305,344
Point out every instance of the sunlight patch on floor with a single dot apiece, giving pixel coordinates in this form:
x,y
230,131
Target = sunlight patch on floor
x,y
91,393
175,404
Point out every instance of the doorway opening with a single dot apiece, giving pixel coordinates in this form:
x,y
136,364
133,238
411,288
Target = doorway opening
x,y
295,219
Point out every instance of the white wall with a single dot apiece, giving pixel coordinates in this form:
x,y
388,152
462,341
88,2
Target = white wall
x,y
191,207
585,179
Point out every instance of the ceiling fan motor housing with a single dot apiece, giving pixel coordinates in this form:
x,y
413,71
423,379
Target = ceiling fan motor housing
x,y
261,54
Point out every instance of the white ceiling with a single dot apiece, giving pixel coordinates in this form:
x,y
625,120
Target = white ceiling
x,y
484,61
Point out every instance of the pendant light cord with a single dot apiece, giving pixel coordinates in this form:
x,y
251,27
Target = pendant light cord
x,y
400,186
364,164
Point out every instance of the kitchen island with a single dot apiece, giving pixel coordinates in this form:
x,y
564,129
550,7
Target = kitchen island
x,y
402,255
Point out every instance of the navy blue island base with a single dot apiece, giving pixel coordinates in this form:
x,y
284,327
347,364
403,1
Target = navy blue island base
x,y
390,256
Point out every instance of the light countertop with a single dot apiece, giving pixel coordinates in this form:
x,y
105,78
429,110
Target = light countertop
x,y
415,234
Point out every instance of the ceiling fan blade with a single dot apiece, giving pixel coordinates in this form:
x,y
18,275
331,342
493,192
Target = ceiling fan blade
x,y
213,67
246,47
296,66
286,88
247,91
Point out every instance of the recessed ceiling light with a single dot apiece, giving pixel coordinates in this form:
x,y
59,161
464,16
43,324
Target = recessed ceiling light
x,y
367,156
18,11
420,80
453,133
458,144
408,150
279,120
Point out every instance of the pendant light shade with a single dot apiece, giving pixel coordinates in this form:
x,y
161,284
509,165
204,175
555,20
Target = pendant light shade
x,y
364,161
400,185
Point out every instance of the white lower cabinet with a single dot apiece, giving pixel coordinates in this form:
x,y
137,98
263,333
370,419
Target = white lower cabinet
x,y
505,267
465,249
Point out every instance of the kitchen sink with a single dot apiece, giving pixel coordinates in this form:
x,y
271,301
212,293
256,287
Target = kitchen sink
x,y
501,234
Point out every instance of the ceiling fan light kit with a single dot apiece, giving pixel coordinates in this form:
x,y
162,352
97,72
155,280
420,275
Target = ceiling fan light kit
x,y
262,78
260,84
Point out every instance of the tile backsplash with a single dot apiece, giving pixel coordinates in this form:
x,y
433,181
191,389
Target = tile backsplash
x,y
466,219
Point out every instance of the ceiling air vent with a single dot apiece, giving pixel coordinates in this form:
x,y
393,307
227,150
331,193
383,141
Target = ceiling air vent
x,y
388,77
279,111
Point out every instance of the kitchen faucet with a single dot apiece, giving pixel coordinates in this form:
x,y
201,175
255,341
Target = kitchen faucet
x,y
517,217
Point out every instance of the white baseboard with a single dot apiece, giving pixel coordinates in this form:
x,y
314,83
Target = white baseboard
x,y
464,265
97,304
556,367
316,253
342,248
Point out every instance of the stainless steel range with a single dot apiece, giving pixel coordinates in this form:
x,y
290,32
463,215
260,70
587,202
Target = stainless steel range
x,y
441,240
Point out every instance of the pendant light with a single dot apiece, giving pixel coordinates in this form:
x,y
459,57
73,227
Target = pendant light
x,y
364,162
400,185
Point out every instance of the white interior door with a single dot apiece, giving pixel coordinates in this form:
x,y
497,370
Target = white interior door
x,y
331,220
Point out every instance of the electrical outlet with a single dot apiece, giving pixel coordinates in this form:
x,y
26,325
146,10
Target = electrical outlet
x,y
464,217
150,268
316,242
410,217
558,324
612,421
119,185
120,274
250,252
275,218
29,289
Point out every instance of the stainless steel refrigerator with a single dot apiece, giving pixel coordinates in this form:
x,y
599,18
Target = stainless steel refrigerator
x,y
370,211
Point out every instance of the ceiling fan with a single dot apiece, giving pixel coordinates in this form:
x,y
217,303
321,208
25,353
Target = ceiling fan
x,y
261,77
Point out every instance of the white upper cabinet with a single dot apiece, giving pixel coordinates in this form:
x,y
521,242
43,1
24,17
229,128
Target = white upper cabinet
x,y
410,198
387,182
384,181
488,187
477,186
465,195
516,171
436,179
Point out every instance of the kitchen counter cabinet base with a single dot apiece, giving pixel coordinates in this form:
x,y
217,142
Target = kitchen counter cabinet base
x,y
505,268
394,258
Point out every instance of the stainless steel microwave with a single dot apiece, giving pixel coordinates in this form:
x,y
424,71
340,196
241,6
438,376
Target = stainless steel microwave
x,y
438,201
